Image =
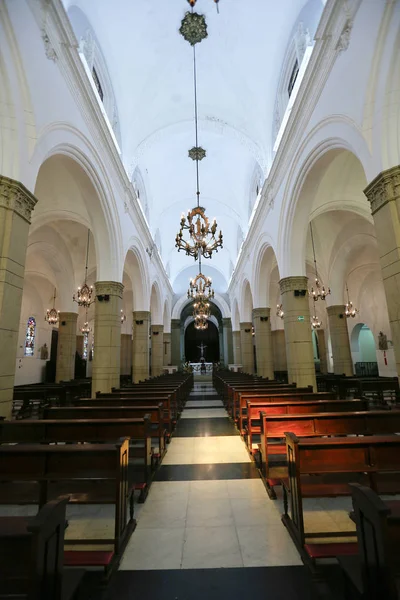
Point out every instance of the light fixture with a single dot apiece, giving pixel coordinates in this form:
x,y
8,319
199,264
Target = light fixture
x,y
200,287
253,332
319,293
85,293
201,308
279,311
52,314
202,239
193,2
350,310
201,323
85,329
315,322
123,317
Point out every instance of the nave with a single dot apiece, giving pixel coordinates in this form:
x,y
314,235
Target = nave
x,y
208,528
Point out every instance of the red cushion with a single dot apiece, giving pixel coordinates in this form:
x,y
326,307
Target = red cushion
x,y
331,550
87,558
273,482
139,486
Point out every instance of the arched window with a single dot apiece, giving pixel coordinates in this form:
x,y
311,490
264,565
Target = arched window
x,y
30,337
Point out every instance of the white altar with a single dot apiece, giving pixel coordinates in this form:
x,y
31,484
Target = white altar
x,y
197,367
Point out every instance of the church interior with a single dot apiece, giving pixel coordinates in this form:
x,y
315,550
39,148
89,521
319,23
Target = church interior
x,y
199,299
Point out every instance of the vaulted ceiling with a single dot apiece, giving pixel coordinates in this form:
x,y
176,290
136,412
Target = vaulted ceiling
x,y
151,71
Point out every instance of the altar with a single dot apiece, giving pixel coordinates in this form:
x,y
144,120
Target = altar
x,y
196,367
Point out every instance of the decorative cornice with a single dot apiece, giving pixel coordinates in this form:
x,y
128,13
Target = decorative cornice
x,y
227,322
15,196
110,288
383,189
261,312
157,329
344,39
48,48
290,284
245,326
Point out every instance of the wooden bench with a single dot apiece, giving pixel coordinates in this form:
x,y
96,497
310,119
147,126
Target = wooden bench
x,y
32,556
273,463
294,396
271,391
93,430
375,572
323,467
89,474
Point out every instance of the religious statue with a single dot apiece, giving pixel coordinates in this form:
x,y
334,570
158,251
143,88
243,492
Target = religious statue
x,y
202,347
382,341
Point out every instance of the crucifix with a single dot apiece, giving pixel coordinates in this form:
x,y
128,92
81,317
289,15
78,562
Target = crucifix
x,y
202,348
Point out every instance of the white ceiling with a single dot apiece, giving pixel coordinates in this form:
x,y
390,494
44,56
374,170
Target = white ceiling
x,y
150,66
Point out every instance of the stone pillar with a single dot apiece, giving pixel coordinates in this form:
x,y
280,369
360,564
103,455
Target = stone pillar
x,y
384,195
228,341
16,205
299,348
106,367
221,345
323,358
140,348
246,340
126,354
279,350
66,346
176,342
157,350
237,348
167,349
342,361
263,340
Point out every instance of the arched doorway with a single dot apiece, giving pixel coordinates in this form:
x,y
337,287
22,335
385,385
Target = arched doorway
x,y
364,350
208,337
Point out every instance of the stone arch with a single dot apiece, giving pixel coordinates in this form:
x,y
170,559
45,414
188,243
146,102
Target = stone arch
x,y
138,276
218,300
156,305
264,263
246,303
303,191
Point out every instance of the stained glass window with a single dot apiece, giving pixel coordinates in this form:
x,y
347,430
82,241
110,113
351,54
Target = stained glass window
x,y
85,345
30,337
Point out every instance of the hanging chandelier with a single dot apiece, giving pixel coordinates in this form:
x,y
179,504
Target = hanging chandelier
x,y
350,310
201,323
279,311
319,293
84,293
201,308
200,287
202,239
52,314
85,329
315,322
123,317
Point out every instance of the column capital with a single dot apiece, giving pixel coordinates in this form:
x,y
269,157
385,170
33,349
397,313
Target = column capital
x,y
290,284
336,310
246,326
109,288
226,322
15,196
175,323
261,312
383,189
141,315
156,329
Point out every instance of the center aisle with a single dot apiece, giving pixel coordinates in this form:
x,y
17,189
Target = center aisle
x,y
208,523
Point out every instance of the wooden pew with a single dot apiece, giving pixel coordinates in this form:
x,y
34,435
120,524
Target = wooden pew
x,y
375,572
295,395
170,415
94,430
264,391
323,467
32,553
89,474
273,428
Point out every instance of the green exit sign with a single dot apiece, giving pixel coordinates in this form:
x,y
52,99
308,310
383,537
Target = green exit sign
x,y
301,318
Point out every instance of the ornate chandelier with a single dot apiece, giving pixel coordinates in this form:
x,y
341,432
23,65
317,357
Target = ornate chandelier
x,y
350,310
200,287
52,314
279,311
84,293
201,308
201,322
319,293
85,329
202,239
315,322
123,317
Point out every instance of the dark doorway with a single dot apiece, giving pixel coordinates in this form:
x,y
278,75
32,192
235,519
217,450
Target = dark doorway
x,y
194,338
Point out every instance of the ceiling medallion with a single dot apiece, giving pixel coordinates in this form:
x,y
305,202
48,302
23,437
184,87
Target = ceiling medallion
x,y
193,28
202,235
197,153
200,287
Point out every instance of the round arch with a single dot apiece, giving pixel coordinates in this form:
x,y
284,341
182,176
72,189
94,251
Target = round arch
x,y
246,303
155,305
